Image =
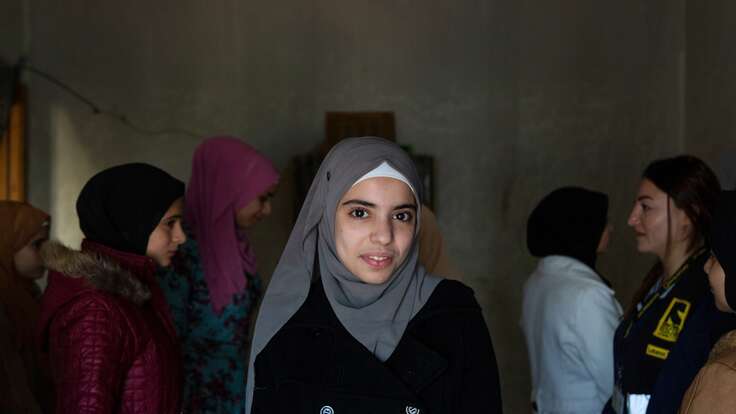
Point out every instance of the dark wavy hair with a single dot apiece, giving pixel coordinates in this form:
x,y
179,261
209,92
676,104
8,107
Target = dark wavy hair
x,y
694,188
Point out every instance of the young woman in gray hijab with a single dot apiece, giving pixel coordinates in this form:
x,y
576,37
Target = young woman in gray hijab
x,y
351,323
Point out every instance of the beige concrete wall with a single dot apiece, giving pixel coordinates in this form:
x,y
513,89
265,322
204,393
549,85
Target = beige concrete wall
x,y
711,86
12,22
513,98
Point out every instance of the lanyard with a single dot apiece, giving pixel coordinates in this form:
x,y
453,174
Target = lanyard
x,y
664,289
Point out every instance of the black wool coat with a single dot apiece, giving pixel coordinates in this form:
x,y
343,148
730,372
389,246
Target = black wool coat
x,y
443,364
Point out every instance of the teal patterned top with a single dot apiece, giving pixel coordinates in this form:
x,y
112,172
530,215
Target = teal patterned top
x,y
214,346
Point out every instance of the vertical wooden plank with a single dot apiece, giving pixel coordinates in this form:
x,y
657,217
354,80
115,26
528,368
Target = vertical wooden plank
x,y
339,125
17,151
4,166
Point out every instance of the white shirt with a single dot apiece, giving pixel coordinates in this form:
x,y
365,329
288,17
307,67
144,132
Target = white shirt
x,y
569,317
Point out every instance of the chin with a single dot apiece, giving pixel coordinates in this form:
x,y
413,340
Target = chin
x,y
643,248
373,278
246,226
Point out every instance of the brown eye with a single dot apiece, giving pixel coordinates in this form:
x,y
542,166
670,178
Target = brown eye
x,y
404,216
359,213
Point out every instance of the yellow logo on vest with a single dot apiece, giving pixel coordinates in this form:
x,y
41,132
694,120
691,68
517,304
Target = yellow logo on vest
x,y
657,352
672,321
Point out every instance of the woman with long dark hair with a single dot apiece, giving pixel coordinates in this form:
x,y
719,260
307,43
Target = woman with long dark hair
x,y
670,326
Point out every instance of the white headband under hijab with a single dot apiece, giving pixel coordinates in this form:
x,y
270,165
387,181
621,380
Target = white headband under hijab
x,y
386,171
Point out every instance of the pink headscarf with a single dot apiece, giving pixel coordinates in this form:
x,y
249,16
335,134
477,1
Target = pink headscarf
x,y
227,174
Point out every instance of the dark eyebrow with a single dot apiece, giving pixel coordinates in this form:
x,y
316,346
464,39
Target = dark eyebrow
x,y
371,205
174,217
359,202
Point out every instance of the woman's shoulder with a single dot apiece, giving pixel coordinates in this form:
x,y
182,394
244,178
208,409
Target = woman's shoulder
x,y
714,388
72,272
187,255
449,297
724,351
81,284
185,268
450,318
694,276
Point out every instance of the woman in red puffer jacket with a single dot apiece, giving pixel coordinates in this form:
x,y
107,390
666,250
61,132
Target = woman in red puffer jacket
x,y
104,322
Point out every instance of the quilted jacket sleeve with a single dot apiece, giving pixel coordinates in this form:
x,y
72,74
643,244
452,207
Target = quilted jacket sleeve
x,y
87,356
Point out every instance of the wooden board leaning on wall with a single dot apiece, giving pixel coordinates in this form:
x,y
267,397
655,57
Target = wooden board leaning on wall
x,y
12,151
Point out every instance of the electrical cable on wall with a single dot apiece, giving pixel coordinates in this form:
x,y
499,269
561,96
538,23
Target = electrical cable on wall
x,y
96,109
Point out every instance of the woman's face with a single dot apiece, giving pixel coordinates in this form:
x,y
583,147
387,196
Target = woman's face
x,y
27,261
167,236
256,210
648,218
374,228
717,280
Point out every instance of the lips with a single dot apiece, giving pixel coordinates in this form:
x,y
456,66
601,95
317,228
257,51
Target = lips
x,y
378,261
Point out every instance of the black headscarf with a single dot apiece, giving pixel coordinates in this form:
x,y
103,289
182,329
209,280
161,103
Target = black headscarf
x,y
121,206
569,222
723,241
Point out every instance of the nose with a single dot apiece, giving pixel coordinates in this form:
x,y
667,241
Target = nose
x,y
266,210
383,232
178,236
633,217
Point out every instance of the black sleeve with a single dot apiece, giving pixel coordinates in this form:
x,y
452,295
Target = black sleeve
x,y
480,387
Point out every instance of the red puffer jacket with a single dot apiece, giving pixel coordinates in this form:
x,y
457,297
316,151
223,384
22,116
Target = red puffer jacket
x,y
108,332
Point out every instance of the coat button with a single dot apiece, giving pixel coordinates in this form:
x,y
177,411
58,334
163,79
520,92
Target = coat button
x,y
412,410
326,410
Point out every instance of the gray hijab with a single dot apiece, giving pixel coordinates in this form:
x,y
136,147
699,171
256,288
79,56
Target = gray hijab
x,y
375,315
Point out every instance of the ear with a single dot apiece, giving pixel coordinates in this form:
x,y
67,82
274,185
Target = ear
x,y
685,225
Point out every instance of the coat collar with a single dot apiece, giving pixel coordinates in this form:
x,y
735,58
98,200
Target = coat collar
x,y
569,267
416,364
410,368
102,268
